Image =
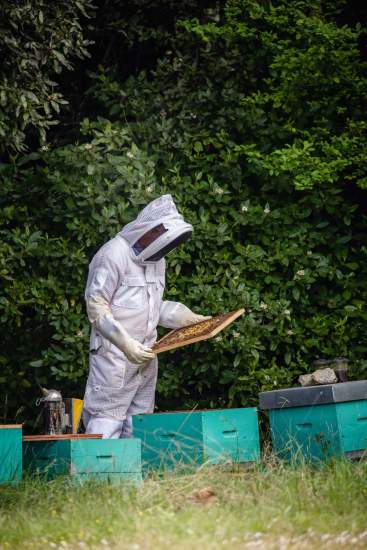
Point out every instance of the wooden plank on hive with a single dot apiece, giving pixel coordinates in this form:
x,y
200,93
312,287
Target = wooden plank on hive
x,y
196,332
10,426
58,437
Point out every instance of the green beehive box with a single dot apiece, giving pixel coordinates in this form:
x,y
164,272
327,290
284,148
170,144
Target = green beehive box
x,y
10,453
115,460
194,438
318,422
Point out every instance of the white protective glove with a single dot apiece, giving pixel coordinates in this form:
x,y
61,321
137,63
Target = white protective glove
x,y
115,333
177,315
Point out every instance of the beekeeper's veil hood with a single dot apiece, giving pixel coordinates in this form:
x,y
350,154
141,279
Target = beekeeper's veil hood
x,y
157,230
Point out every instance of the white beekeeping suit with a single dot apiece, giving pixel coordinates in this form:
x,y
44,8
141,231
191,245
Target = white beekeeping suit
x,y
124,304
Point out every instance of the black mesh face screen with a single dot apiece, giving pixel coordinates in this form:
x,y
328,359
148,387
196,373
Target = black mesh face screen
x,y
159,255
148,238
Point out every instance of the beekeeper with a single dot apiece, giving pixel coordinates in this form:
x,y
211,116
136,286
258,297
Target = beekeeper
x,y
124,297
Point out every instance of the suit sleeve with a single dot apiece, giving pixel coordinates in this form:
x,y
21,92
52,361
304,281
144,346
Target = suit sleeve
x,y
101,285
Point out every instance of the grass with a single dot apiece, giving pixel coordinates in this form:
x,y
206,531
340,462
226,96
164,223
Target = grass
x,y
271,506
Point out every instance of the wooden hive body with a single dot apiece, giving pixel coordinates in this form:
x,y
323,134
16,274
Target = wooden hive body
x,y
10,453
318,422
85,458
193,438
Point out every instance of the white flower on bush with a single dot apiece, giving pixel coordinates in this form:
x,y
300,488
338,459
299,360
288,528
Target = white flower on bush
x,y
44,148
300,273
244,208
150,189
219,190
218,338
309,252
286,312
263,306
275,383
290,332
236,334
129,155
267,209
88,146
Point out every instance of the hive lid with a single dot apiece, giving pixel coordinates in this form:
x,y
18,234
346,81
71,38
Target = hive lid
x,y
313,395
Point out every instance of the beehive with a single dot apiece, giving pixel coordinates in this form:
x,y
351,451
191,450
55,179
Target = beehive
x,y
115,460
193,438
318,422
10,453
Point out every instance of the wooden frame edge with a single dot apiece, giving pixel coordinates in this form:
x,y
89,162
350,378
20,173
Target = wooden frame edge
x,y
195,339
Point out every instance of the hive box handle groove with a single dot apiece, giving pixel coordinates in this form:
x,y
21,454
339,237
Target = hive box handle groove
x,y
163,436
304,425
229,433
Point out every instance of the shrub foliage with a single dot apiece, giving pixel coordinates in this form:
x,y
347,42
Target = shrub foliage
x,y
253,120
38,40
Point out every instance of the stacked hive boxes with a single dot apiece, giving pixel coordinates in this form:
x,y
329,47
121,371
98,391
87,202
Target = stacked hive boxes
x,y
318,422
10,453
315,423
114,460
213,437
163,439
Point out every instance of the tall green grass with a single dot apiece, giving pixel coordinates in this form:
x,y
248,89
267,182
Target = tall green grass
x,y
303,506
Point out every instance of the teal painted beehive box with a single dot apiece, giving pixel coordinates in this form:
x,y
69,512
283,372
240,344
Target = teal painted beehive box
x,y
194,438
318,422
115,460
10,453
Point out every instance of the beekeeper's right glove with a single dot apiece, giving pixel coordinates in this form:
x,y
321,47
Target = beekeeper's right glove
x,y
115,333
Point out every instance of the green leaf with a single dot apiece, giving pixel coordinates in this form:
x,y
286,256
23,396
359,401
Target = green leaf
x,y
296,294
198,146
36,364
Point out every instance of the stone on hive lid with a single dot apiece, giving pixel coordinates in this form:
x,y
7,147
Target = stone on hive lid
x,y
318,378
324,376
306,380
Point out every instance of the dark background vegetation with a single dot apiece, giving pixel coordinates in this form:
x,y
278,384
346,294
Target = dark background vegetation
x,y
252,114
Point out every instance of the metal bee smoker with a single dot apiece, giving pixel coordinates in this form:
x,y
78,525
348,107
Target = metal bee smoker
x,y
54,419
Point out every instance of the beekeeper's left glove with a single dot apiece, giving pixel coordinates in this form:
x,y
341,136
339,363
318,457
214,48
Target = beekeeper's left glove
x,y
177,315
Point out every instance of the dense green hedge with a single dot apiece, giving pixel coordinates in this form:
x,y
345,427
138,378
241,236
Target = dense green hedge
x,y
38,40
254,122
